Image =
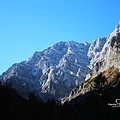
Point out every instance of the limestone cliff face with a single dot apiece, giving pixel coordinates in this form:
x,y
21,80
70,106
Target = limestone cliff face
x,y
53,72
106,67
110,54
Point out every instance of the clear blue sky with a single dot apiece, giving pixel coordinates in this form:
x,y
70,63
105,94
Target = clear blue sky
x,y
27,26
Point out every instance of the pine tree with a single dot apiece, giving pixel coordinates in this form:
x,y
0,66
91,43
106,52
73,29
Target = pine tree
x,y
99,83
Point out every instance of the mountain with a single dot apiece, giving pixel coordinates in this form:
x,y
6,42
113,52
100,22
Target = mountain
x,y
95,49
105,72
110,54
55,71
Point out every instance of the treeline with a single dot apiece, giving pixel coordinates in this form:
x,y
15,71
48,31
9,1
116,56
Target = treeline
x,y
90,106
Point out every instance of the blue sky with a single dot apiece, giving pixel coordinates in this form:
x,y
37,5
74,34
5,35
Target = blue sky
x,y
27,26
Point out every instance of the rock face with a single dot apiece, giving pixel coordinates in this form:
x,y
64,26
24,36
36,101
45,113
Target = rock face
x,y
110,54
54,72
95,49
105,68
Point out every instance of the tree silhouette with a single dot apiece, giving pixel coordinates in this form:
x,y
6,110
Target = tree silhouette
x,y
99,83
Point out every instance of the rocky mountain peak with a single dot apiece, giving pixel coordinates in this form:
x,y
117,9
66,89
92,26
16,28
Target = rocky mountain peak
x,y
117,28
95,49
110,54
55,71
116,31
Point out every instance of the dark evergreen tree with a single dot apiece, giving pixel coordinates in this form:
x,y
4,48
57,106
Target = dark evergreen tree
x,y
99,83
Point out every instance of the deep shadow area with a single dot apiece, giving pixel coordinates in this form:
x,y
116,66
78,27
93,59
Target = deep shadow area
x,y
90,106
